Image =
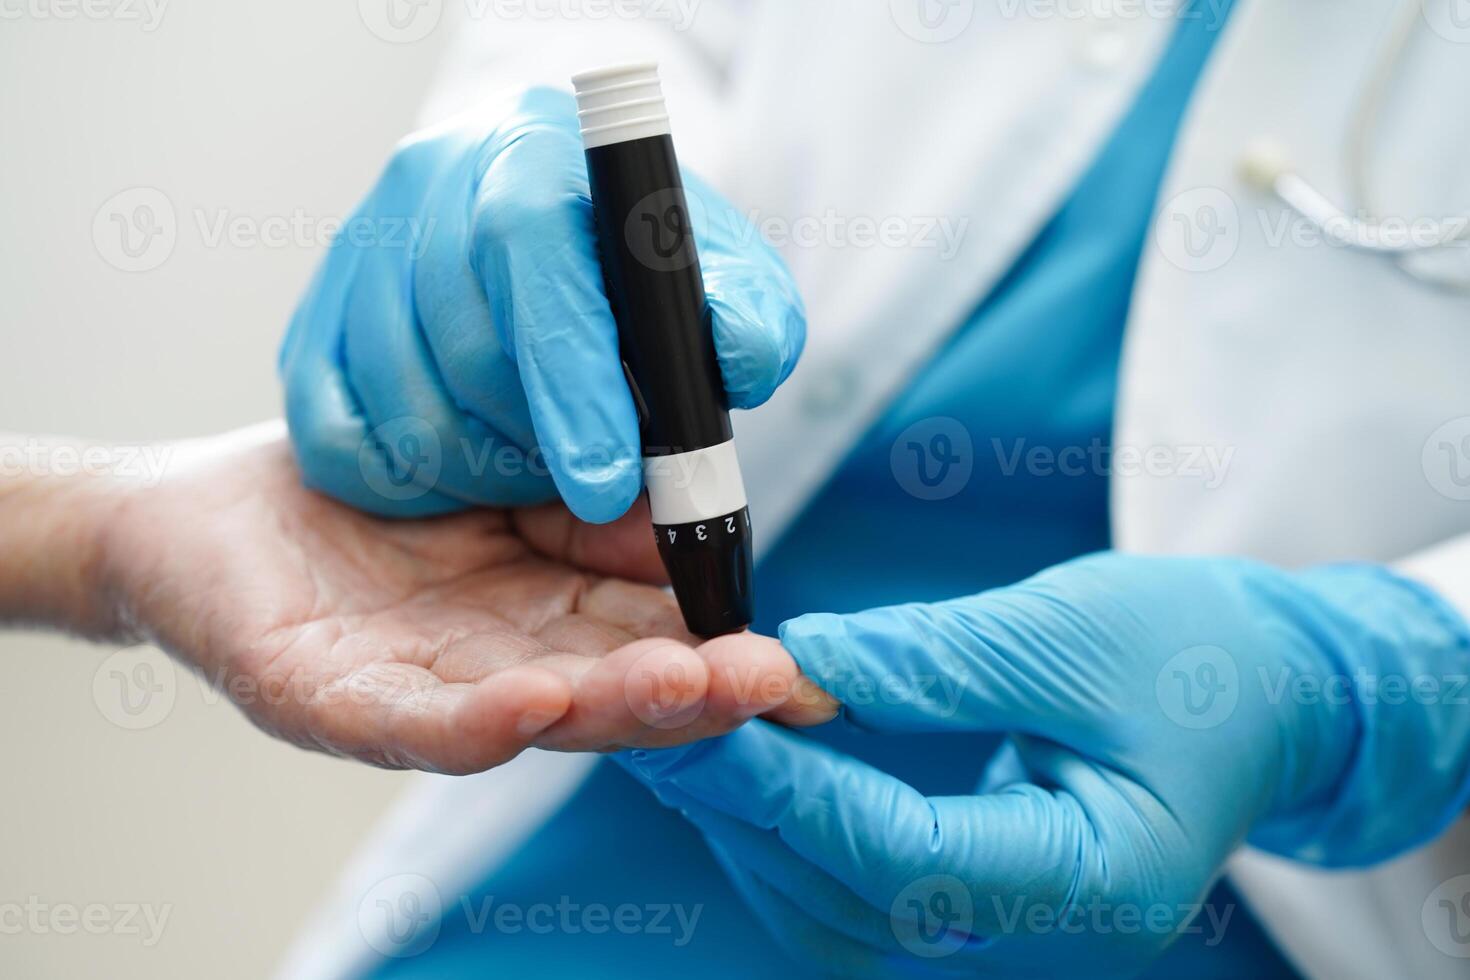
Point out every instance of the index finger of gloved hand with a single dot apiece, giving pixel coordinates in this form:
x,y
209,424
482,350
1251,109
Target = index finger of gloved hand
x,y
534,249
877,835
478,373
334,448
756,313
983,663
401,391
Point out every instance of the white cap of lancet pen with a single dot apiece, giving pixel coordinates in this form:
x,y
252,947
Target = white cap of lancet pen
x,y
621,103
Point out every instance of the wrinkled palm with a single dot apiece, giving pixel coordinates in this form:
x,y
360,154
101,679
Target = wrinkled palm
x,y
447,644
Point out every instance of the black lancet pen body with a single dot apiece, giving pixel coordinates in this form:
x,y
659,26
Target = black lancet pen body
x,y
651,270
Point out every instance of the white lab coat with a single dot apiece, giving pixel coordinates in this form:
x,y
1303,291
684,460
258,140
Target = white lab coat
x,y
1323,376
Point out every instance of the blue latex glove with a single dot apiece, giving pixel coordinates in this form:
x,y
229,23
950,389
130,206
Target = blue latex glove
x,y
460,321
1161,711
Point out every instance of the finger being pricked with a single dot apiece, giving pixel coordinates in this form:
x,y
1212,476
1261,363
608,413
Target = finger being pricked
x,y
661,692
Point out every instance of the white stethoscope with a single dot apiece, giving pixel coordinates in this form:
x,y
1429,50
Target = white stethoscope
x,y
1264,166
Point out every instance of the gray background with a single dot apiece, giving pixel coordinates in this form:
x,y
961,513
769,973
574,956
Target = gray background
x,y
251,110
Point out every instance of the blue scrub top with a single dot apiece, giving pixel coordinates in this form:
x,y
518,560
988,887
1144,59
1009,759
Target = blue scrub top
x,y
912,514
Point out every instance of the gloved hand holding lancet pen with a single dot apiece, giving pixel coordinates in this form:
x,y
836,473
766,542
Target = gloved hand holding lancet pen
x,y
492,340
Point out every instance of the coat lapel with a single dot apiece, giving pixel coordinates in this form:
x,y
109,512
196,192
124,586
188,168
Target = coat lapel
x,y
900,171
